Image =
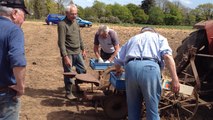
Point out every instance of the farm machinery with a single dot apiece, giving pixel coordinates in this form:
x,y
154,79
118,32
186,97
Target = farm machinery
x,y
194,63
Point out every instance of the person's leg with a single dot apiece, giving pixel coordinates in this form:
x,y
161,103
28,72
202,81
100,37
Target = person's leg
x,y
67,81
151,89
9,107
78,62
133,92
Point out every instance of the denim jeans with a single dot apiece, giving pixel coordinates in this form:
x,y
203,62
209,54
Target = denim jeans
x,y
9,107
77,61
143,82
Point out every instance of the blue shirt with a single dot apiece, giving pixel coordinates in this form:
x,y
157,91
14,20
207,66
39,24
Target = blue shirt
x,y
11,51
146,44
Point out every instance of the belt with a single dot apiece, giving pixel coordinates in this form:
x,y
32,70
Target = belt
x,y
144,58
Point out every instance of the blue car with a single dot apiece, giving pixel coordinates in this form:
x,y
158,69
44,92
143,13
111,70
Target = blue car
x,y
56,18
83,23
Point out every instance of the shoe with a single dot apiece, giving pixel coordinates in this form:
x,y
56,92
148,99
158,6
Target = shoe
x,y
70,96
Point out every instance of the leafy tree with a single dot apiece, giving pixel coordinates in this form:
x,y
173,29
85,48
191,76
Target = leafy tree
x,y
173,15
147,4
189,19
90,14
206,10
122,12
99,8
156,16
140,16
37,7
51,7
198,15
81,12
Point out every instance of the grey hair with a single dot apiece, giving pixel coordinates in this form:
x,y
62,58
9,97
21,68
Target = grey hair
x,y
103,29
144,29
5,11
70,6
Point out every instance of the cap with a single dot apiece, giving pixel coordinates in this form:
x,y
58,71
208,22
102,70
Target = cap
x,y
14,4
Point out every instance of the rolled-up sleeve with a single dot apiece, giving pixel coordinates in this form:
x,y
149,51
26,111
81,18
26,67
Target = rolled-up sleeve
x,y
164,47
16,53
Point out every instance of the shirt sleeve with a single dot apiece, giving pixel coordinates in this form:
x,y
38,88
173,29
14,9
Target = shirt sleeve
x,y
114,37
121,55
164,47
16,52
61,39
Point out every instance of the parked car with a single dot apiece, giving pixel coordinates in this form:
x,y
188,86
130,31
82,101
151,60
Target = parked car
x,y
83,23
56,18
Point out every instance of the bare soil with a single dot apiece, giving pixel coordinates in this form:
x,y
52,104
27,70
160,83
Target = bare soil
x,y
44,97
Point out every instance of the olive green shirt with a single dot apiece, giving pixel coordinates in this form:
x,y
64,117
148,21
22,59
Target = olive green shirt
x,y
69,37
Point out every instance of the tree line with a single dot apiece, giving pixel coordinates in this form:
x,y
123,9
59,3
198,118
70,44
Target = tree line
x,y
155,12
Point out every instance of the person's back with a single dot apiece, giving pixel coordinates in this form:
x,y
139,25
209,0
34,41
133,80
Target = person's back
x,y
142,57
12,57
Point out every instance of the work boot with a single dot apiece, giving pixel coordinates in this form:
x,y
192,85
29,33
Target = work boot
x,y
70,96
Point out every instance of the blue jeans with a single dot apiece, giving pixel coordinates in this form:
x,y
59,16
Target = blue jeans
x,y
143,82
9,107
77,61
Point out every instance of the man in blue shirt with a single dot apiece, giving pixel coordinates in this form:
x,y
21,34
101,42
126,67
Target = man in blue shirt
x,y
12,57
142,57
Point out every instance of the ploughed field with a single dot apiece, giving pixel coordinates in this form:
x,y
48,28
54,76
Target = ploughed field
x,y
44,97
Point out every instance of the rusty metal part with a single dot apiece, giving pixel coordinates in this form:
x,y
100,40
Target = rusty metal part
x,y
70,74
208,26
115,107
87,78
94,95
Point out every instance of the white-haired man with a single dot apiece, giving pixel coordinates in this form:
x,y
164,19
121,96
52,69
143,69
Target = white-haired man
x,y
12,57
71,47
109,44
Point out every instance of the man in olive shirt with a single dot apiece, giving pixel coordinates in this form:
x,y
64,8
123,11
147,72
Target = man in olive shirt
x,y
71,46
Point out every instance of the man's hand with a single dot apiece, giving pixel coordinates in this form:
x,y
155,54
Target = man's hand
x,y
84,54
175,86
19,88
67,61
19,73
100,60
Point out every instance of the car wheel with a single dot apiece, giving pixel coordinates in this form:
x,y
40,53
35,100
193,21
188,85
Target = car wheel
x,y
86,25
50,23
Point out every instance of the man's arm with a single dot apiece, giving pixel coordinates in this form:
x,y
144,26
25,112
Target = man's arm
x,y
61,39
96,51
117,47
170,64
19,73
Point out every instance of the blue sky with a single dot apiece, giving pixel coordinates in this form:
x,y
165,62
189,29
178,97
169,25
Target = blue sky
x,y
188,3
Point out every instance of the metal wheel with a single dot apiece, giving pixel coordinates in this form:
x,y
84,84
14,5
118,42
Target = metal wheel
x,y
86,25
178,106
115,107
